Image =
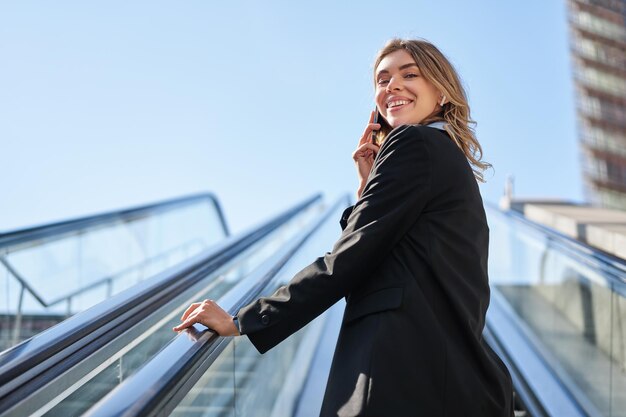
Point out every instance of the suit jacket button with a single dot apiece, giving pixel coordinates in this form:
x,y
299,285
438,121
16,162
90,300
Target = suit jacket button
x,y
265,319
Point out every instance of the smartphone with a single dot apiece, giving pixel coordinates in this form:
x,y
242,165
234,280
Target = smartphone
x,y
374,132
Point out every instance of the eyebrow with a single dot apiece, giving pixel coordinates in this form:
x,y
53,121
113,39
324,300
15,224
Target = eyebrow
x,y
401,67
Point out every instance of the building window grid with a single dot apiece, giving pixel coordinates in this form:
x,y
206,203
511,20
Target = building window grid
x,y
603,81
608,198
616,172
605,171
590,193
617,6
594,168
604,178
603,140
602,109
598,25
595,51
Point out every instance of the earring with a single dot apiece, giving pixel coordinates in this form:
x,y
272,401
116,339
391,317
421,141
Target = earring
x,y
443,101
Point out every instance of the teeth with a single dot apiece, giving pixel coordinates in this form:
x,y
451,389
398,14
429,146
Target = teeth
x,y
397,103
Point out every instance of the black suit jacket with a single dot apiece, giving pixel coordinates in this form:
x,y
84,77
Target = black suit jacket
x,y
412,264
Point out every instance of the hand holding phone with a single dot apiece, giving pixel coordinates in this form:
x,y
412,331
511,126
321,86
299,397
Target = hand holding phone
x,y
375,121
366,151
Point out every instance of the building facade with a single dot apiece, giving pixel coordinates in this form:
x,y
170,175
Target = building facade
x,y
598,46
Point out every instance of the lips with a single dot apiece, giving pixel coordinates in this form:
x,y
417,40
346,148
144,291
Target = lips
x,y
397,103
398,108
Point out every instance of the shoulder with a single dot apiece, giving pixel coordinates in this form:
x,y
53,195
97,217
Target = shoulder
x,y
439,143
403,143
416,132
401,133
431,140
417,142
403,155
411,145
402,138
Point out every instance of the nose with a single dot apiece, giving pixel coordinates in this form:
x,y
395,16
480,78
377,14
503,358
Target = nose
x,y
394,84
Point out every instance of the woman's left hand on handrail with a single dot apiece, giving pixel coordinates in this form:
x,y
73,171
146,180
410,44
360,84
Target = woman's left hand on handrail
x,y
211,315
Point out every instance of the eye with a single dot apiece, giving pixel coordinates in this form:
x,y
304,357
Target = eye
x,y
411,75
381,81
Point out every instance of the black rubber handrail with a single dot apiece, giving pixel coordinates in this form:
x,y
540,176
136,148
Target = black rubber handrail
x,y
50,230
162,382
35,362
594,257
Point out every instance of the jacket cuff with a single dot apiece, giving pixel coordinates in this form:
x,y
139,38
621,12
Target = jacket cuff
x,y
255,325
236,322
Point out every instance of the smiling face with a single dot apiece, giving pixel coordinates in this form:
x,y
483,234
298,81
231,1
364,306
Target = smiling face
x,y
403,95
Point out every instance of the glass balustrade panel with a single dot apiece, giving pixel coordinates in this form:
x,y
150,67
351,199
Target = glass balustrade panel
x,y
259,380
68,273
116,361
570,305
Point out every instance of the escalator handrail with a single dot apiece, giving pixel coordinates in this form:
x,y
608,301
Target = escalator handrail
x,y
159,385
50,230
543,387
15,239
23,362
104,281
596,258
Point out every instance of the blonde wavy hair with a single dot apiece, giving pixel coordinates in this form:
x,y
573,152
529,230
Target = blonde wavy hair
x,y
436,69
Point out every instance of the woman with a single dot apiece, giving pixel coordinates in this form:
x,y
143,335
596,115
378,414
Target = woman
x,y
411,261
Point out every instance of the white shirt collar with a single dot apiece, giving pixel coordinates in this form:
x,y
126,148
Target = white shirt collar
x,y
435,125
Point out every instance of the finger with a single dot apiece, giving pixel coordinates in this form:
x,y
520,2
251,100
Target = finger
x,y
375,128
182,326
367,131
187,323
360,151
362,156
189,310
358,155
369,145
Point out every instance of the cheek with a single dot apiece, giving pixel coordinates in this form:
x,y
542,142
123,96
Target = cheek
x,y
378,96
427,98
433,94
379,102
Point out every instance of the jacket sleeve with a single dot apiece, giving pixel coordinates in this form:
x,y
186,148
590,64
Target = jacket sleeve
x,y
343,222
395,194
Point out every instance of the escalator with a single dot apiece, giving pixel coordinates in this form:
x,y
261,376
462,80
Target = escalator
x,y
201,374
558,318
555,319
51,272
65,369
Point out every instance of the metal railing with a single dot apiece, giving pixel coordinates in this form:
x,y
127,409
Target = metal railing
x,y
24,367
106,282
36,236
551,286
15,238
160,384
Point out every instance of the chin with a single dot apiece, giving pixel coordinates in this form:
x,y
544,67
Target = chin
x,y
404,121
396,122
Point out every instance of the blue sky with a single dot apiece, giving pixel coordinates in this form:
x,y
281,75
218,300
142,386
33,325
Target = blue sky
x,y
106,105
